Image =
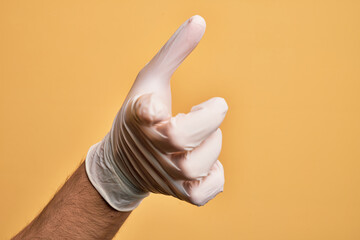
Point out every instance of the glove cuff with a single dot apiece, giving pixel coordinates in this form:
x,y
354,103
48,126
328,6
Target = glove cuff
x,y
108,180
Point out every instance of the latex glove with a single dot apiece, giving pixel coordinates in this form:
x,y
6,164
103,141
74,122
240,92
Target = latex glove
x,y
147,150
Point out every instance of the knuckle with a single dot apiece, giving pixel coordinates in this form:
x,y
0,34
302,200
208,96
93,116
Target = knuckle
x,y
150,109
200,198
197,198
197,202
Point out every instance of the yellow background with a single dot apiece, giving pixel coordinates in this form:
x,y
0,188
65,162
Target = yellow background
x,y
289,70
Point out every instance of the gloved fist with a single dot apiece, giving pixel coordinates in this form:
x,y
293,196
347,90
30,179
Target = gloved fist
x,y
148,150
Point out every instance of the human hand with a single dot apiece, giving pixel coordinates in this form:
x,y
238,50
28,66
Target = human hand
x,y
148,150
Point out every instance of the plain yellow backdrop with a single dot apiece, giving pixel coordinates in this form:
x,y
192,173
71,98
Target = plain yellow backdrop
x,y
289,70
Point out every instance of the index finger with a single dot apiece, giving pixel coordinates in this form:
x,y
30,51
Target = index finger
x,y
176,49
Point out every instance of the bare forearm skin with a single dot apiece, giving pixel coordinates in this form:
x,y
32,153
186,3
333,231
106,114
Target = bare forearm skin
x,y
77,211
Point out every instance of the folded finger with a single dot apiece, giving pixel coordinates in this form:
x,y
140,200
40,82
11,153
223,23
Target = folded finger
x,y
202,191
197,163
185,132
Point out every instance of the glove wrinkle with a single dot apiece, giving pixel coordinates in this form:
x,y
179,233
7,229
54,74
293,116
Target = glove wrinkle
x,y
128,154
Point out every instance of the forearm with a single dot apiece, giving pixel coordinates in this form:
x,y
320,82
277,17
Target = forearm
x,y
77,211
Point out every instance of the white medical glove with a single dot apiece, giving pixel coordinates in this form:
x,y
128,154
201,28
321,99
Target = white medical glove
x,y
148,150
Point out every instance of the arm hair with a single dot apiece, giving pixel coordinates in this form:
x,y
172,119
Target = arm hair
x,y
77,211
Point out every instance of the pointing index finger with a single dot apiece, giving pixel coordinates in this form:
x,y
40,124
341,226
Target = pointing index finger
x,y
176,49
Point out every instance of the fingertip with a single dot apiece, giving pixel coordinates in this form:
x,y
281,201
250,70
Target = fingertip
x,y
195,28
198,20
176,49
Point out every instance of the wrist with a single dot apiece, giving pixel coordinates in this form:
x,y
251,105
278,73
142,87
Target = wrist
x,y
108,179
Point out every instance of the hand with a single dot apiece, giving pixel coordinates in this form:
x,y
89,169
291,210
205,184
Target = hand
x,y
148,150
